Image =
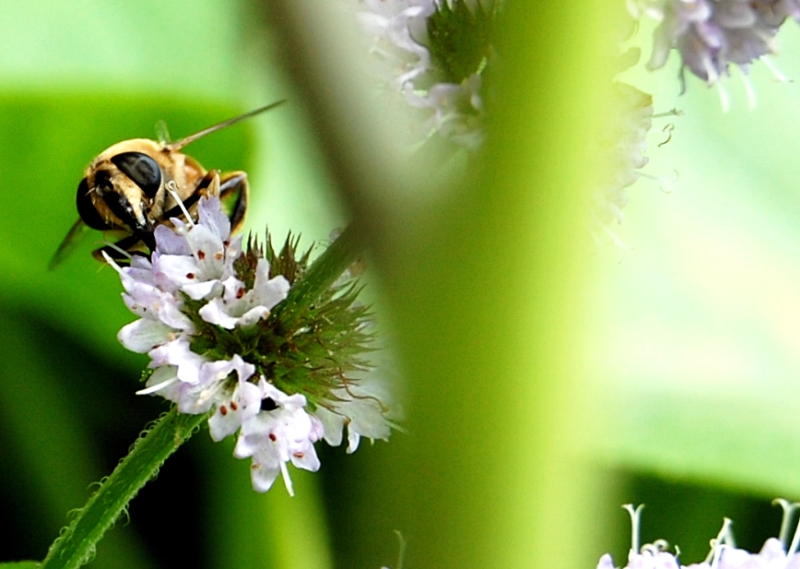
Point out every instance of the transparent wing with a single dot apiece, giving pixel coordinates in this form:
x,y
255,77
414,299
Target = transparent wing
x,y
77,231
162,132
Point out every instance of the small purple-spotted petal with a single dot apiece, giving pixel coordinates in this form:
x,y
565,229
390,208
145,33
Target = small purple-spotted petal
x,y
208,251
243,404
175,271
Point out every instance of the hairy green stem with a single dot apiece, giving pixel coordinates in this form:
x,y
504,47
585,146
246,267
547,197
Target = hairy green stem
x,y
77,543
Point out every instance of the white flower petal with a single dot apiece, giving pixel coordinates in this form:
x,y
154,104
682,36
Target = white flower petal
x,y
160,380
263,472
268,292
305,457
211,216
170,243
214,312
170,314
178,353
208,250
252,316
353,438
143,335
333,425
175,271
161,375
230,414
197,291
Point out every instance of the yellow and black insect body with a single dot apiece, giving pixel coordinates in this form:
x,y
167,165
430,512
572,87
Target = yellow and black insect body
x,y
136,185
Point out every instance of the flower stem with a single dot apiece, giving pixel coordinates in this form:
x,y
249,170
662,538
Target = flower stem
x,y
322,273
76,545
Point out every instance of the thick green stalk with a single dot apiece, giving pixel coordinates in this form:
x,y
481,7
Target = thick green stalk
x,y
77,543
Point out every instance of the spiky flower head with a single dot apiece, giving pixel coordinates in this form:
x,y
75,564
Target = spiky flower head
x,y
223,340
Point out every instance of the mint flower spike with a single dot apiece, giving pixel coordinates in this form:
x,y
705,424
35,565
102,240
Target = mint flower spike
x,y
226,336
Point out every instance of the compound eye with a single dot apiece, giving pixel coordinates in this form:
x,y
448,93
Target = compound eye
x,y
86,208
141,169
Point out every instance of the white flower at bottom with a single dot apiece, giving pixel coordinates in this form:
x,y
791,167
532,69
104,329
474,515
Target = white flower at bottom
x,y
281,432
773,555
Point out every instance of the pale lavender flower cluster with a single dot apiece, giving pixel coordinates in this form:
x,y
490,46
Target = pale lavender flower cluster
x,y
397,30
195,263
775,554
710,35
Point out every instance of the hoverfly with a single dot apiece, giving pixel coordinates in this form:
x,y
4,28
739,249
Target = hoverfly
x,y
138,184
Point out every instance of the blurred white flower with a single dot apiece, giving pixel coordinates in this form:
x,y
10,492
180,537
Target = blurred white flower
x,y
621,150
433,53
775,553
712,35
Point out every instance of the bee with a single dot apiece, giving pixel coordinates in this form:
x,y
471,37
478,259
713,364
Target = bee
x,y
136,185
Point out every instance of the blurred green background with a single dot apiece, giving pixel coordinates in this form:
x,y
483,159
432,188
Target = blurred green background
x,y
689,342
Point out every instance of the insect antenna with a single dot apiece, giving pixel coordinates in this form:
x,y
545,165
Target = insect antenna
x,y
219,126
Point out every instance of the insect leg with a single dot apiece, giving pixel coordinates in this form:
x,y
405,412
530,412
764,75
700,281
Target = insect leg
x,y
121,250
234,193
208,186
